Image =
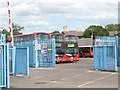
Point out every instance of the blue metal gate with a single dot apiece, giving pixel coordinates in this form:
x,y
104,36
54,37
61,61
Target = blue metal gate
x,y
108,41
45,54
106,53
105,58
4,66
22,61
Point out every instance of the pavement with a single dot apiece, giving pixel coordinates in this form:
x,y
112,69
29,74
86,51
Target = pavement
x,y
79,74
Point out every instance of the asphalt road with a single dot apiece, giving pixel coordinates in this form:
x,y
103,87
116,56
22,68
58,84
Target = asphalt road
x,y
79,74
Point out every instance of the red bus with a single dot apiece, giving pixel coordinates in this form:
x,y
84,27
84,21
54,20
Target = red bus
x,y
59,47
85,51
72,53
31,37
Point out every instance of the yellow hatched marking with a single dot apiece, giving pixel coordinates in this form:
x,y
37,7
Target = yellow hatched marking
x,y
77,75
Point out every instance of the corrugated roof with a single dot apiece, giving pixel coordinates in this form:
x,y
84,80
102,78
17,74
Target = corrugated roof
x,y
85,42
77,33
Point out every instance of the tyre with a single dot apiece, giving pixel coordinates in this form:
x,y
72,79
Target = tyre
x,y
84,56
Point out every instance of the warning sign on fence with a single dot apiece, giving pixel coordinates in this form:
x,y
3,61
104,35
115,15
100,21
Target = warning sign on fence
x,y
99,42
45,45
37,46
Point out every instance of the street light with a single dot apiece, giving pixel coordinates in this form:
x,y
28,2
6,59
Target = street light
x,y
92,33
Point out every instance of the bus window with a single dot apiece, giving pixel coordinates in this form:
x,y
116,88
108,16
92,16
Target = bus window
x,y
21,39
28,38
42,36
25,38
18,39
91,48
14,40
86,50
31,37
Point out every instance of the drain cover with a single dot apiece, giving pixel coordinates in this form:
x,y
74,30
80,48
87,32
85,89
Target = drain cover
x,y
40,82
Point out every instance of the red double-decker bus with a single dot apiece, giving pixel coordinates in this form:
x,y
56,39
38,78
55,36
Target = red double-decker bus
x,y
85,51
31,37
72,53
59,46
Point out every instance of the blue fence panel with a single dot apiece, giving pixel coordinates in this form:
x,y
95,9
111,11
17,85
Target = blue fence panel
x,y
105,58
4,66
22,61
2,38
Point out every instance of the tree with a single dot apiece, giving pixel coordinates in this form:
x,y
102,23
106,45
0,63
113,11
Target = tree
x,y
55,32
96,30
112,27
7,34
16,31
118,34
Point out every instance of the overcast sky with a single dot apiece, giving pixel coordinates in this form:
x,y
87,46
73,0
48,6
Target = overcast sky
x,y
50,15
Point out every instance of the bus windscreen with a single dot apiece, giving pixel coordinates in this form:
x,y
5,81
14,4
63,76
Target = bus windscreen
x,y
42,36
71,45
59,45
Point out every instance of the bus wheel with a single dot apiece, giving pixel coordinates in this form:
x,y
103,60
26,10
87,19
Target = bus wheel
x,y
71,61
84,56
57,62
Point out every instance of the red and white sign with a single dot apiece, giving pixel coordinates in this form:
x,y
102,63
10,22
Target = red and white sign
x,y
99,42
45,45
37,46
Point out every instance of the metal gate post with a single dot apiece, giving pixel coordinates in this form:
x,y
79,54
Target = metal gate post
x,y
117,40
5,64
8,77
95,59
35,54
53,52
115,59
13,60
28,61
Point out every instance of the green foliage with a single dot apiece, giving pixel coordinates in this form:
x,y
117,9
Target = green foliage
x,y
112,27
97,31
16,31
118,34
7,34
55,32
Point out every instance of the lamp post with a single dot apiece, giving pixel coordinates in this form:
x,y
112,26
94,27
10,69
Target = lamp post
x,y
92,33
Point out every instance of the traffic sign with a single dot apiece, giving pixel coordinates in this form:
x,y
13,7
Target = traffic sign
x,y
45,45
37,46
